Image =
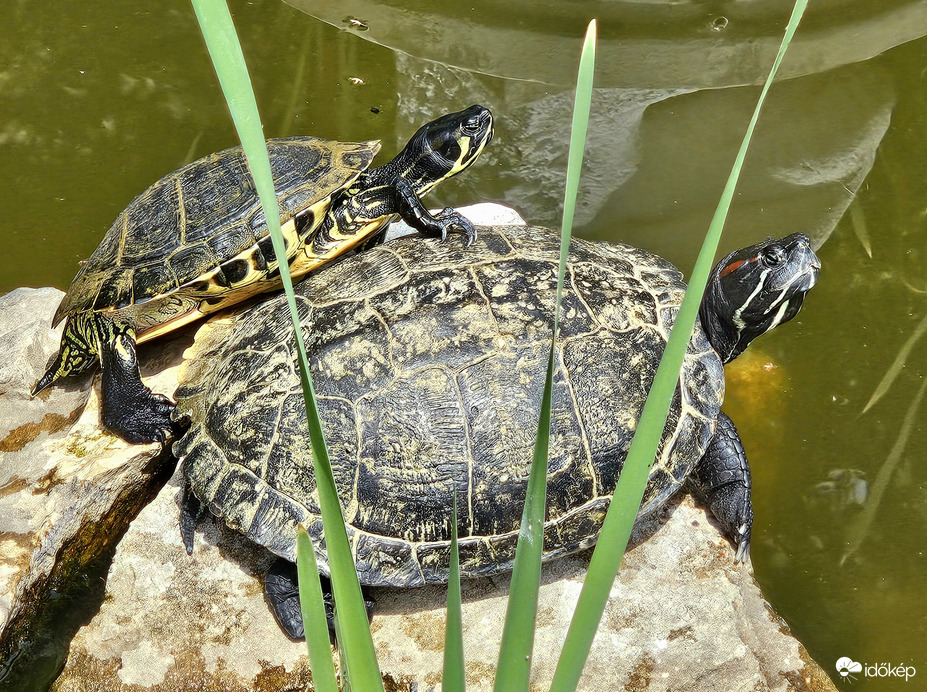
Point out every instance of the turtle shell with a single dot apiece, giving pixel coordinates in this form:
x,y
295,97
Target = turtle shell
x,y
429,361
197,239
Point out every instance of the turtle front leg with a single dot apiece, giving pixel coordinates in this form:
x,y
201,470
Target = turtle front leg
x,y
281,590
414,213
721,481
129,408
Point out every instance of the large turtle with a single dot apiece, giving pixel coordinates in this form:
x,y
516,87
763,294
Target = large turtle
x,y
428,362
196,241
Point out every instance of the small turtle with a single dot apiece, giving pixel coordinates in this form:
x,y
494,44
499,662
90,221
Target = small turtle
x,y
196,241
428,363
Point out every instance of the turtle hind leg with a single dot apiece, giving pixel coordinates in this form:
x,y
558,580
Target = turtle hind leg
x,y
129,408
721,481
281,590
79,351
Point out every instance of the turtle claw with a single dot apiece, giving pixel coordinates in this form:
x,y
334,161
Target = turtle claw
x,y
281,591
161,435
450,218
742,542
471,236
721,481
190,512
743,553
129,408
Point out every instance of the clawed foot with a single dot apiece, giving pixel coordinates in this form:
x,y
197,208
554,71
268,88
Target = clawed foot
x,y
450,219
731,508
281,589
142,420
129,408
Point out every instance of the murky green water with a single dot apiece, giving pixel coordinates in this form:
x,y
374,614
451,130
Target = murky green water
x,y
98,100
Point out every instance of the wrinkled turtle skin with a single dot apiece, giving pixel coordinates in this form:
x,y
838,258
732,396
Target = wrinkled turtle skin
x,y
428,362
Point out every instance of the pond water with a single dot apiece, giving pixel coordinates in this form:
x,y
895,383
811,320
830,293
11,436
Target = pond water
x,y
101,99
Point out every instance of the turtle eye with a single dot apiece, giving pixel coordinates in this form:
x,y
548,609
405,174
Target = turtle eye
x,y
773,255
471,125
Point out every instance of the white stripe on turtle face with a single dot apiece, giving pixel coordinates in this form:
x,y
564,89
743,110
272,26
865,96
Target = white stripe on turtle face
x,y
781,300
779,315
786,301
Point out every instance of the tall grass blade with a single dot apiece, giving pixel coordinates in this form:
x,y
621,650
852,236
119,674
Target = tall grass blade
x,y
314,620
514,668
897,365
629,492
225,51
355,641
454,678
859,528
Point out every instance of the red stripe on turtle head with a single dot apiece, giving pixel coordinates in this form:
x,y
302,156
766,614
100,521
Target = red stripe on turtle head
x,y
733,266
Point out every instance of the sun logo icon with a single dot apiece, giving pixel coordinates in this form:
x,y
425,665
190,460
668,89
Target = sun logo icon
x,y
847,666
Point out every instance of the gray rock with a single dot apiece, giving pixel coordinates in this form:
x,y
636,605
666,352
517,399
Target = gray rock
x,y
682,617
67,488
481,214
26,333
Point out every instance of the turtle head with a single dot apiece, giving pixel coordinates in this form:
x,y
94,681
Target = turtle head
x,y
444,147
755,289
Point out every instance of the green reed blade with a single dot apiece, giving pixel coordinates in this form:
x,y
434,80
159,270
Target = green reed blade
x,y
859,527
453,679
578,128
225,51
355,641
860,229
514,668
897,365
629,492
314,620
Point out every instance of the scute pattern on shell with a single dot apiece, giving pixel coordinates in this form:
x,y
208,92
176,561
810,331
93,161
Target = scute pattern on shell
x,y
192,220
428,361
